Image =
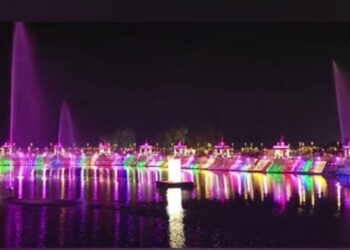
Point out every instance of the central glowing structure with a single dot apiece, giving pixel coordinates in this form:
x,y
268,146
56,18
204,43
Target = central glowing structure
x,y
174,170
174,176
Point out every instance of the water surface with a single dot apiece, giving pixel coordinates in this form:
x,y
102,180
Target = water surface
x,y
123,208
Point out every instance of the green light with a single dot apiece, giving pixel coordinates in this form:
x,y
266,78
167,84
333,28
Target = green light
x,y
276,177
128,161
5,165
39,163
83,162
141,164
309,182
195,166
277,168
308,165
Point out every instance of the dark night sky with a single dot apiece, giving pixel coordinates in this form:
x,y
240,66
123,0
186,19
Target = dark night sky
x,y
254,82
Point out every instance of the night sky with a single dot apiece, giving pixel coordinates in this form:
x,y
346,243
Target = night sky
x,y
254,82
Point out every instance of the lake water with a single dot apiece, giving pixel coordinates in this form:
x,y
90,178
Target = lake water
x,y
123,208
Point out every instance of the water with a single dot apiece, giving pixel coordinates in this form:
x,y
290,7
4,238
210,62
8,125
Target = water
x,y
342,86
66,128
28,118
122,208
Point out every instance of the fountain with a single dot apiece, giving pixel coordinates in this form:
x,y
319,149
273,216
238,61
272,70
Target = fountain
x,y
342,87
26,122
66,130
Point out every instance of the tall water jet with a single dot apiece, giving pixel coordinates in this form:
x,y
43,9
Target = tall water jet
x,y
26,98
342,87
66,129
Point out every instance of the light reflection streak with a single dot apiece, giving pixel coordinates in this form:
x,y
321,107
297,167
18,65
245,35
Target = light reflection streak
x,y
139,185
95,189
44,180
82,190
197,187
221,186
312,199
32,193
176,214
338,196
108,185
82,175
71,189
128,185
239,183
212,185
63,186
300,192
346,198
20,188
303,194
226,188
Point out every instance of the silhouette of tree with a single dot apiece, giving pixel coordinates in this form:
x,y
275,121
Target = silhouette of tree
x,y
121,137
203,136
174,135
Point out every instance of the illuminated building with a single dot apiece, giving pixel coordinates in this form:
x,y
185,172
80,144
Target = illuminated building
x,y
145,149
281,150
346,149
221,149
180,149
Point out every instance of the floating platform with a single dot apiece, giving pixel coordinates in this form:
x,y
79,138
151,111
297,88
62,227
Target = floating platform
x,y
170,184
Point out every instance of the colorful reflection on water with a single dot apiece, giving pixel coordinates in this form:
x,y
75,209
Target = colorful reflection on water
x,y
122,207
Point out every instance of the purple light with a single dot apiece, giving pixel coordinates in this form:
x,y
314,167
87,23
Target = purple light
x,y
342,87
27,121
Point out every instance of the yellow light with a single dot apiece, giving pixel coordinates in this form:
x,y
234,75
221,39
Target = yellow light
x,y
174,170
